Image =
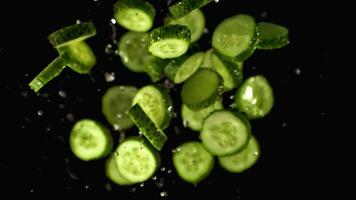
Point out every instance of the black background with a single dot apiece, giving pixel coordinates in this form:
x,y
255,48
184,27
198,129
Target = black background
x,y
35,155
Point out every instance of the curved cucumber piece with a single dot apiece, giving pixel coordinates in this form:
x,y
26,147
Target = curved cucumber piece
x,y
239,162
194,118
90,140
250,50
73,33
134,15
255,97
51,71
225,133
192,162
155,68
136,160
113,173
169,41
180,69
201,89
156,103
272,36
207,60
195,21
231,73
115,105
83,57
234,35
184,7
154,135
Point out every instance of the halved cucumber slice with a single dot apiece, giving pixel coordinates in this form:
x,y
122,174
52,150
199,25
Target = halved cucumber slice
x,y
202,89
169,41
180,69
90,140
233,35
225,133
113,173
136,160
154,135
134,15
156,103
272,36
184,7
73,33
192,162
115,105
241,161
255,97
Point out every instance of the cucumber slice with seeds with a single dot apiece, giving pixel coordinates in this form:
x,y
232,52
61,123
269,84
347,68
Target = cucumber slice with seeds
x,y
255,97
90,140
115,105
272,36
202,89
234,35
225,133
192,162
169,41
134,15
113,173
136,160
241,161
156,103
184,7
180,69
154,135
73,33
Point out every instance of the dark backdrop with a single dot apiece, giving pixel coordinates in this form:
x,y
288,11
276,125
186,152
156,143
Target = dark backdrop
x,y
35,155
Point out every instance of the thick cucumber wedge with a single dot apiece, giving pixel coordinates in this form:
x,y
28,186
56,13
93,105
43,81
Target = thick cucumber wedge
x,y
134,15
194,118
113,173
193,162
90,140
184,7
156,103
154,135
115,105
272,36
255,97
234,35
155,68
225,133
202,89
180,69
194,20
73,33
169,41
136,160
241,161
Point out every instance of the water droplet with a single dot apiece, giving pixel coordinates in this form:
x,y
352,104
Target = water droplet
x,y
140,133
160,182
109,76
32,190
154,178
109,49
108,187
255,153
231,97
70,117
185,123
112,21
264,14
22,126
170,109
206,30
78,21
48,129
216,1
119,116
86,186
40,113
163,194
98,89
322,114
168,84
284,124
297,71
62,94
133,190
169,171
116,127
61,106
142,184
163,169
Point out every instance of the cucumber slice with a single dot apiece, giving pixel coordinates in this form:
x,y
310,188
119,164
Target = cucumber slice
x,y
73,33
250,50
184,7
136,160
239,162
207,60
255,97
154,135
195,21
156,103
272,36
225,133
180,69
134,15
231,73
193,162
234,35
113,173
202,89
169,41
155,68
115,105
194,118
90,140
83,57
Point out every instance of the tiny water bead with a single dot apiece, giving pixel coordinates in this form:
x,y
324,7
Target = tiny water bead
x,y
109,76
62,94
112,21
40,113
284,124
297,71
163,194
70,117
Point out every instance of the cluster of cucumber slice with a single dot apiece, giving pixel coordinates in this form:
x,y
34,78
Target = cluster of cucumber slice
x,y
165,52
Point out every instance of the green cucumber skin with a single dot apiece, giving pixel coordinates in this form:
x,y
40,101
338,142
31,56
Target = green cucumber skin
x,y
184,7
268,42
173,31
168,105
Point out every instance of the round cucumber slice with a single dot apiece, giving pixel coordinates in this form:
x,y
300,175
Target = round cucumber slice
x,y
113,173
184,7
